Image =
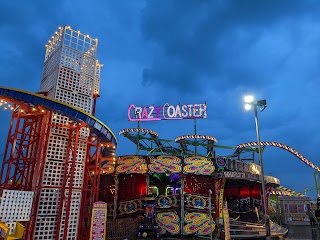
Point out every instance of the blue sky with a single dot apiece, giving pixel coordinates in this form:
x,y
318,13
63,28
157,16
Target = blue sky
x,y
188,51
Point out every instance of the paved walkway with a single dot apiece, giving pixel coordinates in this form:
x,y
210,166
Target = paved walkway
x,y
303,233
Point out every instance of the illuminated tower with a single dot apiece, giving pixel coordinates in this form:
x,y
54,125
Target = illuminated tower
x,y
71,74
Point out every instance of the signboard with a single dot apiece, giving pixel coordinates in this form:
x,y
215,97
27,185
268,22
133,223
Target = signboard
x,y
295,198
226,221
98,221
167,112
223,182
238,175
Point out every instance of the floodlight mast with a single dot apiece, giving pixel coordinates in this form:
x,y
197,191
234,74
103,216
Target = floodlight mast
x,y
262,104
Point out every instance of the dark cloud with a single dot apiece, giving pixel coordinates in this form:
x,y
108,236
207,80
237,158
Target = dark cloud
x,y
24,29
188,51
226,43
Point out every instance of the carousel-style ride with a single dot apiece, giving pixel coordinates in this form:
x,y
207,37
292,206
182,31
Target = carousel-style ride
x,y
189,184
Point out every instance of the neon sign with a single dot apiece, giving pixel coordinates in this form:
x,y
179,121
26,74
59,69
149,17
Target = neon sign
x,y
167,112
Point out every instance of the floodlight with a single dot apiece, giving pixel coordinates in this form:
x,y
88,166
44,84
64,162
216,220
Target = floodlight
x,y
247,106
248,99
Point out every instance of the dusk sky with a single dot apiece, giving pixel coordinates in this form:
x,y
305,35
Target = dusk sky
x,y
188,51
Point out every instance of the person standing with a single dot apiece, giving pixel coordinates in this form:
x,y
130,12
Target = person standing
x,y
317,215
310,214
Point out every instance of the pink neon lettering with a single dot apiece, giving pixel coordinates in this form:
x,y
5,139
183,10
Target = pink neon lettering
x,y
144,113
157,109
153,113
129,111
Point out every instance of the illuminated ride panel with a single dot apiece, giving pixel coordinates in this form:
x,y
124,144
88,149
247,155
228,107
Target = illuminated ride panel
x,y
171,167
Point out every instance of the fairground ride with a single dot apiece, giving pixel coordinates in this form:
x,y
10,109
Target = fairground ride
x,y
23,161
190,181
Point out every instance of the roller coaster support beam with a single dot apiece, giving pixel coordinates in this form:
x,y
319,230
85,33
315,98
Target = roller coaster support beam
x,y
38,170
68,179
24,144
91,182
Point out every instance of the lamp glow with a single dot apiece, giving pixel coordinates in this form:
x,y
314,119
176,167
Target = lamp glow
x,y
248,99
247,106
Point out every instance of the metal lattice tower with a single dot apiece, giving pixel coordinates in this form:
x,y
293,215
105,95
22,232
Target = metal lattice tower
x,y
71,74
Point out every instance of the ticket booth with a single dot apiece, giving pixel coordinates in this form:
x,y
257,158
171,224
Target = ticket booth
x,y
293,210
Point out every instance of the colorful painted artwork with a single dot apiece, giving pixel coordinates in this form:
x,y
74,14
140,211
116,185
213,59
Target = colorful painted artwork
x,y
197,201
110,210
167,201
222,183
127,207
107,168
198,165
131,164
169,222
165,164
221,163
198,223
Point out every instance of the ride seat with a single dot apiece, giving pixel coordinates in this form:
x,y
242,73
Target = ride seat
x,y
4,229
19,231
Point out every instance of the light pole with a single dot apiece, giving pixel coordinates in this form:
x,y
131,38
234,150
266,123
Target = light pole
x,y
262,104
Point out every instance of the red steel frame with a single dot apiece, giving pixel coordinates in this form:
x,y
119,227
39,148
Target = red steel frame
x,y
25,153
91,183
68,178
39,168
90,186
23,165
25,144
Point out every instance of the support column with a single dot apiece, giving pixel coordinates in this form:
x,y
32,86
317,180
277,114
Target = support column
x,y
115,200
90,189
68,178
210,210
38,176
147,183
182,205
24,144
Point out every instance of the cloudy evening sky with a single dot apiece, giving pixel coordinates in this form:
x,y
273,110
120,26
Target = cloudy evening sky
x,y
188,51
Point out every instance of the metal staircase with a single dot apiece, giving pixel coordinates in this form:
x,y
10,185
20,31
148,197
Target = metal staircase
x,y
246,230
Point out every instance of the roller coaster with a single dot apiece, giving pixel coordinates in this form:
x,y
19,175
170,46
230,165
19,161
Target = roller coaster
x,y
149,141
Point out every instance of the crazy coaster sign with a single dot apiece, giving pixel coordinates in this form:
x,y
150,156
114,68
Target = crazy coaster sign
x,y
167,112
